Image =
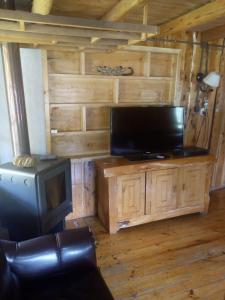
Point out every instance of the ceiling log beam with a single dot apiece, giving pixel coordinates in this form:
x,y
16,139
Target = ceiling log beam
x,y
202,15
42,7
66,31
27,17
119,11
25,37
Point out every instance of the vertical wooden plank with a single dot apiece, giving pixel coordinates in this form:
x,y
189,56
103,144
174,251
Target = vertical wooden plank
x,y
147,64
177,85
89,187
82,63
217,139
84,121
194,63
116,90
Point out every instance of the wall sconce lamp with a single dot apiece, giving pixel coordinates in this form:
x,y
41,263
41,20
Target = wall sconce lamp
x,y
212,79
206,85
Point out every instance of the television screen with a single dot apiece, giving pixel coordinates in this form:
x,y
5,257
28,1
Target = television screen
x,y
151,129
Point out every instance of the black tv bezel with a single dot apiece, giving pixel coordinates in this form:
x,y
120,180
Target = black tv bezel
x,y
147,106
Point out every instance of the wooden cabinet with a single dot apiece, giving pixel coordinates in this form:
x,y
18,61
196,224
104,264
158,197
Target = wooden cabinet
x,y
131,196
132,193
192,187
161,189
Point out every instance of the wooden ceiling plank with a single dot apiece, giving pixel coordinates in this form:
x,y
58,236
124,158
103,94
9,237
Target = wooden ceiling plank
x,y
42,7
204,14
215,33
67,31
27,17
119,11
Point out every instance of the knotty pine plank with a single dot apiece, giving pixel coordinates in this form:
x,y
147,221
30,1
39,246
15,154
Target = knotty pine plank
x,y
180,258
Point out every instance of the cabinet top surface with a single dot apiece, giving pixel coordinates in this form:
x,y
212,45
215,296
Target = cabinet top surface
x,y
115,166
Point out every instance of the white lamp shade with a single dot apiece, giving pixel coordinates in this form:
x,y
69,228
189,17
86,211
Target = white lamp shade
x,y
212,79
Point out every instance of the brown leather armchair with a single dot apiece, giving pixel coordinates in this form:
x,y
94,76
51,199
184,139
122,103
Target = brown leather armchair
x,y
52,267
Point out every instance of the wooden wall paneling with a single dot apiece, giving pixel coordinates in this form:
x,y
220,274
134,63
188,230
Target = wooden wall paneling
x,y
79,107
116,90
203,124
182,81
73,89
176,83
97,117
84,119
147,64
77,189
83,187
66,117
149,91
198,126
191,118
190,58
64,62
84,143
89,187
219,171
185,69
217,145
162,65
82,63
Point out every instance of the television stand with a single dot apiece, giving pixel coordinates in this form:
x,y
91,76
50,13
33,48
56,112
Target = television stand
x,y
136,192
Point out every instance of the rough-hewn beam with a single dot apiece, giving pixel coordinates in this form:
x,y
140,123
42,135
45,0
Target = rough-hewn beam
x,y
143,36
202,15
75,22
121,9
25,37
42,7
118,11
67,31
215,33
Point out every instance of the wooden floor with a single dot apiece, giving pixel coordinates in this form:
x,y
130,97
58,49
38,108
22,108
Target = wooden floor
x,y
181,258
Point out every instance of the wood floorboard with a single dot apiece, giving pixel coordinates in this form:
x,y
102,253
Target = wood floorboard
x,y
180,258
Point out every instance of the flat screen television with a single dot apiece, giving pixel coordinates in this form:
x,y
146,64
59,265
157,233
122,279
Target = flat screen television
x,y
146,129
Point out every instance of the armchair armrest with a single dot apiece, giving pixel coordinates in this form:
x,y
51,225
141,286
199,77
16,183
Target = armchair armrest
x,y
50,255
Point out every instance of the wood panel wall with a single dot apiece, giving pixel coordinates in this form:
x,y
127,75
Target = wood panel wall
x,y
78,100
198,128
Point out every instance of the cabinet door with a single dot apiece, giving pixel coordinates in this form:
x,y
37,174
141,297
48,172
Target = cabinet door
x,y
131,196
193,186
161,191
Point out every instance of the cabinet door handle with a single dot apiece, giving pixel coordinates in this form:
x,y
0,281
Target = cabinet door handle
x,y
174,188
183,186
